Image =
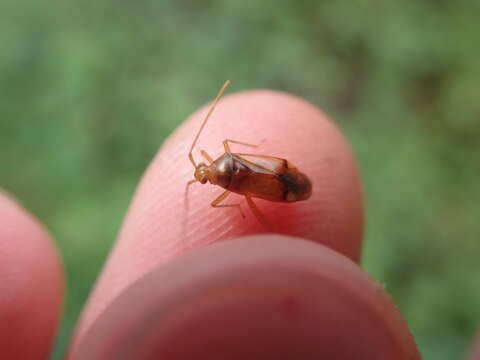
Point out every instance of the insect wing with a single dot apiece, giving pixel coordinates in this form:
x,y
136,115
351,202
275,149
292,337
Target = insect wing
x,y
263,163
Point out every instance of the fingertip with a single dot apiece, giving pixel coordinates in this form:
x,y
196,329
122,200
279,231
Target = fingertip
x,y
31,287
261,297
295,130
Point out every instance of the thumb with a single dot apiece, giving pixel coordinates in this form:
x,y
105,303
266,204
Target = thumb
x,y
260,297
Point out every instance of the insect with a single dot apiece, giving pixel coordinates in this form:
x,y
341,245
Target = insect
x,y
253,176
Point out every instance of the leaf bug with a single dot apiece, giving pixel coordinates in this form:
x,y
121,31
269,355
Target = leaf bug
x,y
253,176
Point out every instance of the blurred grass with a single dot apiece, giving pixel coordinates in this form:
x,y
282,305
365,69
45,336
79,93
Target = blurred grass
x,y
91,88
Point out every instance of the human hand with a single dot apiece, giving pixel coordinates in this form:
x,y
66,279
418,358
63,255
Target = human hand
x,y
204,295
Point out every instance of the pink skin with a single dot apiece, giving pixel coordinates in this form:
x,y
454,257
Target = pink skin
x,y
31,285
260,297
162,295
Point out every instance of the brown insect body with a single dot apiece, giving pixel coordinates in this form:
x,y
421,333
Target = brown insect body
x,y
253,176
265,177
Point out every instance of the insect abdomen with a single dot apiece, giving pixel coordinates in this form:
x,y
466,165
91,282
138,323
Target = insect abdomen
x,y
263,177
297,184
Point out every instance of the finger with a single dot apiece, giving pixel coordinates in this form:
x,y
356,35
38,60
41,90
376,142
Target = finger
x,y
31,285
284,126
291,128
260,297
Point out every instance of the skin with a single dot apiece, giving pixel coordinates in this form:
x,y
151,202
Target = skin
x,y
223,289
31,285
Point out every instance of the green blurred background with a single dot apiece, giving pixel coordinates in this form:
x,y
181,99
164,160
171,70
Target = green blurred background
x,y
90,89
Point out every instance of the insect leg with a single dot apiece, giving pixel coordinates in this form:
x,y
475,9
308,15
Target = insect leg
x,y
206,156
227,147
258,214
222,197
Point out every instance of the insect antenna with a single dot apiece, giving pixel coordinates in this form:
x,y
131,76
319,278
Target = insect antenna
x,y
210,111
190,156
